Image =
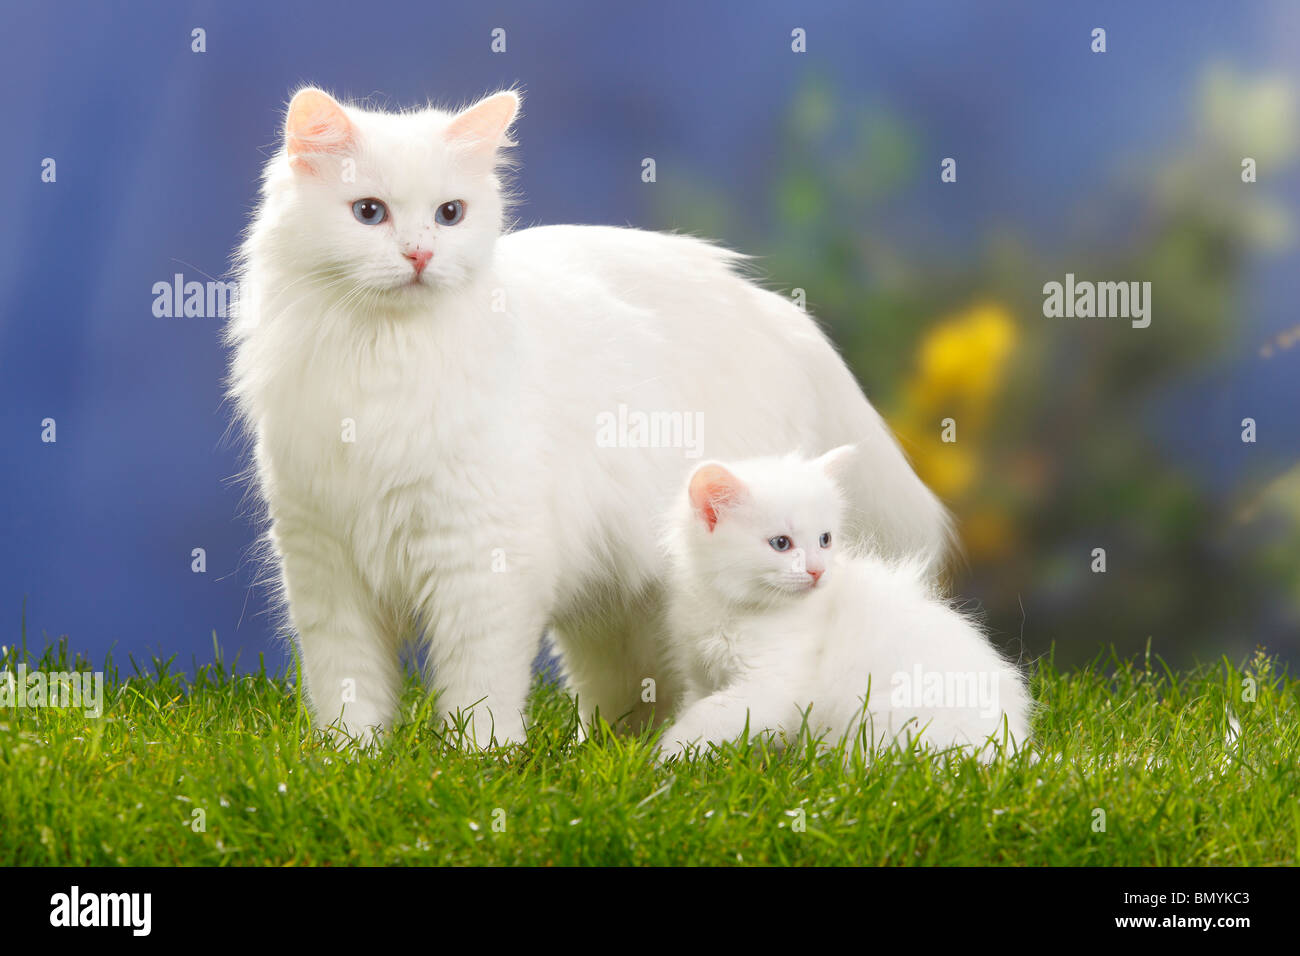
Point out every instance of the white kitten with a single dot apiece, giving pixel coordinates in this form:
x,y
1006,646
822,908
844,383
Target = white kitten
x,y
424,397
766,619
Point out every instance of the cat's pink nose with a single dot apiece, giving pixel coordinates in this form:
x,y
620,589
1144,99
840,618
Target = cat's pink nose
x,y
816,575
419,259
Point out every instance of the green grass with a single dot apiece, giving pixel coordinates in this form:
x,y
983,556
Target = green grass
x,y
1143,744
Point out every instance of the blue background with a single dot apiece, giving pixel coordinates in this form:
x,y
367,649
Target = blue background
x,y
159,151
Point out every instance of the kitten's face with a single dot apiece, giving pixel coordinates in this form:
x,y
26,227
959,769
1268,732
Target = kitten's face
x,y
764,532
387,209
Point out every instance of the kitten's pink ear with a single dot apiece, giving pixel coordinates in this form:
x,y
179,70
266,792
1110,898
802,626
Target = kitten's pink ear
x,y
838,461
712,490
484,127
315,124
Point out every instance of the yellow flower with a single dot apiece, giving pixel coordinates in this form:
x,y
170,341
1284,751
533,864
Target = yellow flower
x,y
986,534
959,369
948,468
961,359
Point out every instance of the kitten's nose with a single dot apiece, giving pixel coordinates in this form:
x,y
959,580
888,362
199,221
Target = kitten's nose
x,y
419,259
815,574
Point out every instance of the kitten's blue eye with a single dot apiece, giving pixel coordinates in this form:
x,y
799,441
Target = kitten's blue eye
x,y
779,543
450,213
826,539
369,212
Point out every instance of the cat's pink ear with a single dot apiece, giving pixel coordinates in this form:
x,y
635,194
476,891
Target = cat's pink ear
x,y
712,490
838,461
484,127
315,124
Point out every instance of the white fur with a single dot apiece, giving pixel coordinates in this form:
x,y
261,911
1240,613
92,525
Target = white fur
x,y
475,395
758,643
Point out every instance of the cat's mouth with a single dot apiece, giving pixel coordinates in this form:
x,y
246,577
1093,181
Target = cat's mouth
x,y
410,286
797,586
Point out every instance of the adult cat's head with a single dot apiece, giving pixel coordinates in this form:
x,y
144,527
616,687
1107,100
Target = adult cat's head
x,y
384,208
762,531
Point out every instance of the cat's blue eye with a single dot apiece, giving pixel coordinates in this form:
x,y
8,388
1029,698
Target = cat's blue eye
x,y
780,543
450,213
826,539
369,212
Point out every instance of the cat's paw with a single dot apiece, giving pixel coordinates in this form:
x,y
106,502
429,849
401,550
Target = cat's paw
x,y
677,742
344,737
483,731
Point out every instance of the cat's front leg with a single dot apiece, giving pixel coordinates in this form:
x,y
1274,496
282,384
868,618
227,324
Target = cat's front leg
x,y
483,629
723,716
350,666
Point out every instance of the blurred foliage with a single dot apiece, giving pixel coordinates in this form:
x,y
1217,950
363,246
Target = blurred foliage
x,y
1054,455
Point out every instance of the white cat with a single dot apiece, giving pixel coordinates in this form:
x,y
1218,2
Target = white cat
x,y
425,397
768,619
